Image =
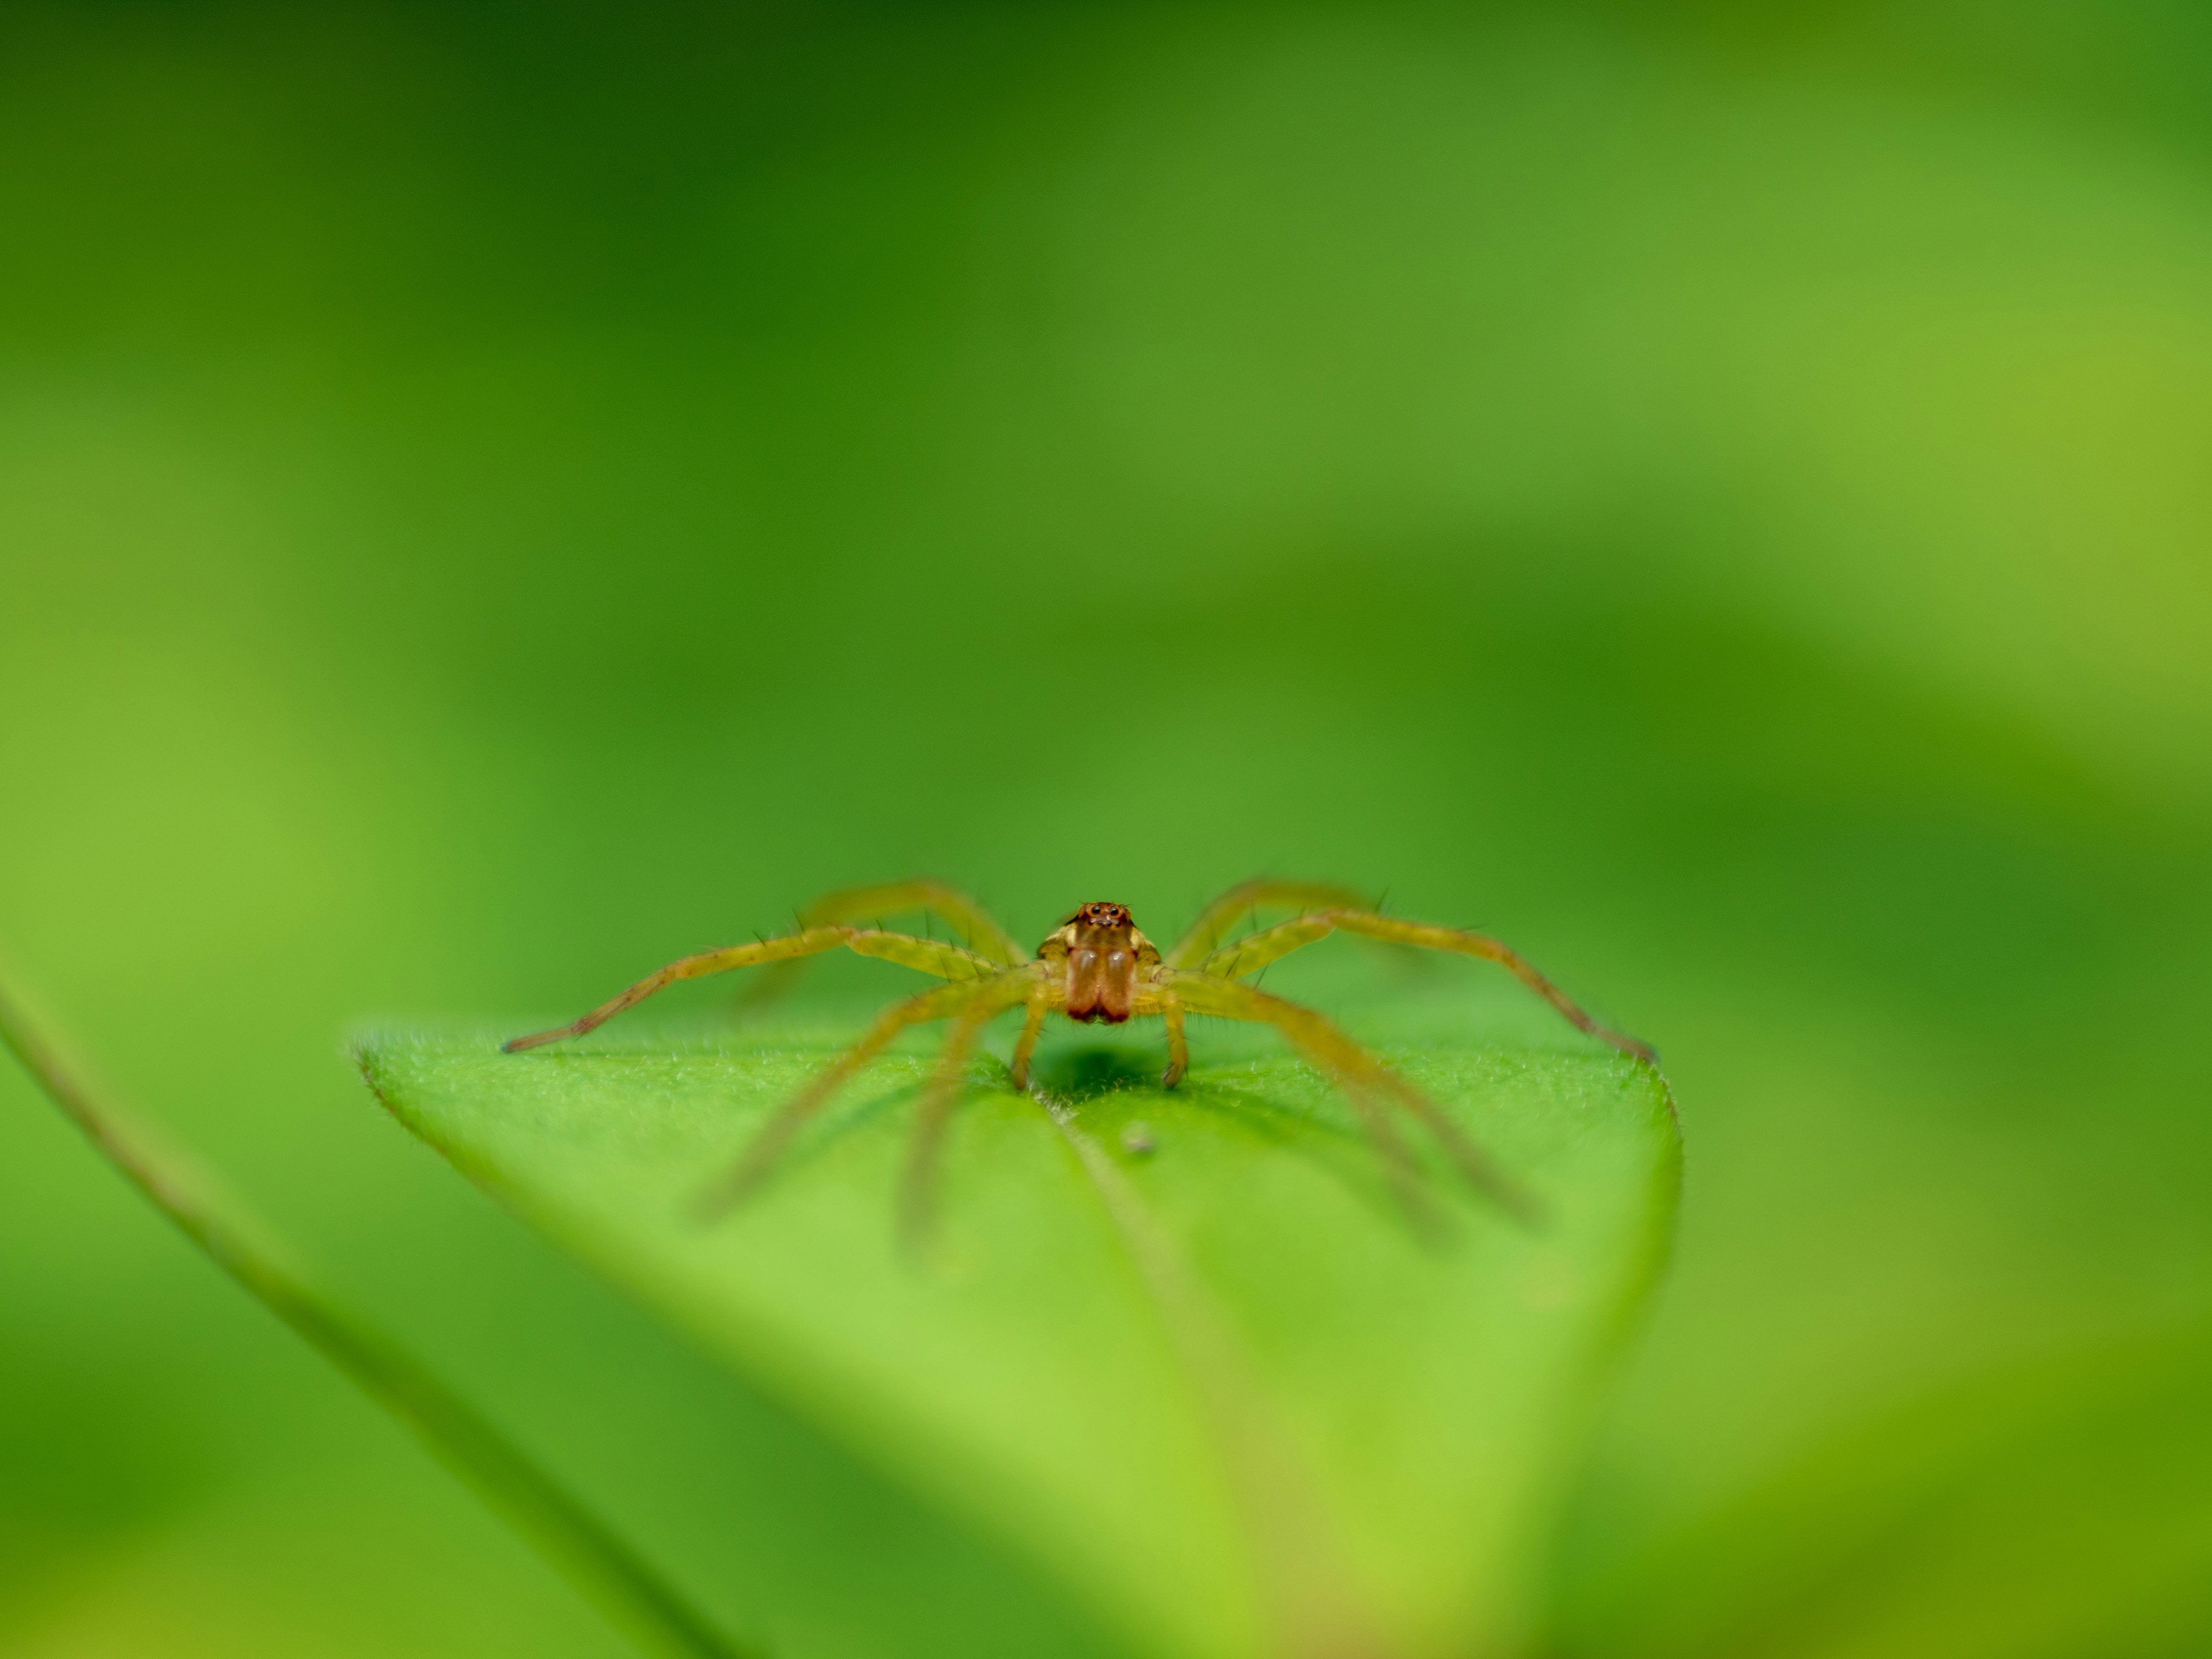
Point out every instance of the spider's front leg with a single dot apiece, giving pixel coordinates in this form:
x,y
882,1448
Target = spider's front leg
x,y
804,943
978,930
930,956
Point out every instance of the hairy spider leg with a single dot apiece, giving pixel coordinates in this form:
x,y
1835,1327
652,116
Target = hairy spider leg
x,y
942,1002
1361,1075
1480,1168
1178,1045
930,956
1215,922
1042,1000
918,1185
1250,956
977,928
970,920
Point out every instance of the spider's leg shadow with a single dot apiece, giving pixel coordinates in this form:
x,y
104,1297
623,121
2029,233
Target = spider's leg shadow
x,y
1080,1075
1112,1086
859,1112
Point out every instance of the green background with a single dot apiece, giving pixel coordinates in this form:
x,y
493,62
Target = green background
x,y
491,499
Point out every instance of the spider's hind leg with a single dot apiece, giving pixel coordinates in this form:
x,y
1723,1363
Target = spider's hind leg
x,y
1364,1080
943,1002
918,1185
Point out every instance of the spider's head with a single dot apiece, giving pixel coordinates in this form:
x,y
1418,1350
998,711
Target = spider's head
x,y
1102,914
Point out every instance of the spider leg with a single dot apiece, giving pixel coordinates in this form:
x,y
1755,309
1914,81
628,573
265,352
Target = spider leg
x,y
1250,956
970,920
917,1186
1343,1062
1215,922
1362,1078
942,1002
930,956
1041,1001
1178,1045
963,915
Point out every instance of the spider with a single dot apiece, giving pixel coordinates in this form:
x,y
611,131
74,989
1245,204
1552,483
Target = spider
x,y
1098,967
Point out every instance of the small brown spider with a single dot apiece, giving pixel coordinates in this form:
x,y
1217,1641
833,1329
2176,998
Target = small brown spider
x,y
1097,966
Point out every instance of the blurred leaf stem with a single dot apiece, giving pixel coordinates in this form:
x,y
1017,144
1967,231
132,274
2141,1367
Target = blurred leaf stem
x,y
567,1533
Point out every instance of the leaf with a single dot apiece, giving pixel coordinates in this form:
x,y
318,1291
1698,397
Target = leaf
x,y
569,1536
1218,1388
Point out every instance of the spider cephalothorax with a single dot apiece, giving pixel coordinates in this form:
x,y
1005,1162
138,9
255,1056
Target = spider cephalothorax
x,y
1097,966
1099,952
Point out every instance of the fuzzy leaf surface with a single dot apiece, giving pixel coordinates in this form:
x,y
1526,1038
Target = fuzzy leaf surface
x,y
1182,1351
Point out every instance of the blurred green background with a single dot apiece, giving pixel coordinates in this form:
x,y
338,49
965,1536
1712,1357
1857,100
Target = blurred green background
x,y
494,497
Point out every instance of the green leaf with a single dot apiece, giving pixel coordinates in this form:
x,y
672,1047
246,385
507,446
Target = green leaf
x,y
573,1538
1181,1351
